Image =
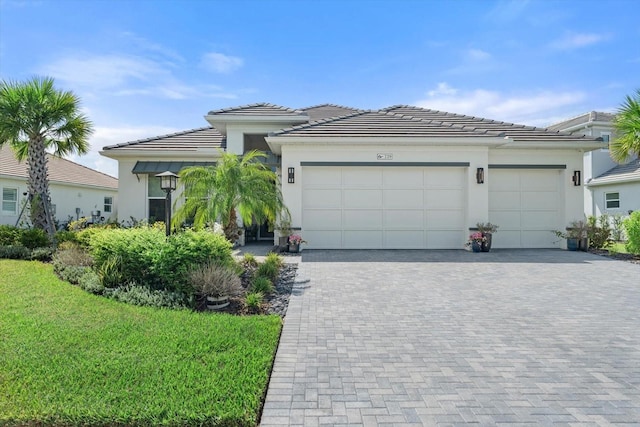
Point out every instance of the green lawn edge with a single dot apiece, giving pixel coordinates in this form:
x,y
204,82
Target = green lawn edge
x,y
71,358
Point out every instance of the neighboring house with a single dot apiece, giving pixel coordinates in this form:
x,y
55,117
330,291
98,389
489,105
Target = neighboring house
x,y
400,177
610,188
76,191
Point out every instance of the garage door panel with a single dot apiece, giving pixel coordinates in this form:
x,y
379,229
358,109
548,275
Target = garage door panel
x,y
324,219
363,239
403,199
448,198
403,178
445,178
403,219
359,219
444,239
325,239
322,198
362,178
539,200
504,200
404,239
506,239
539,180
323,177
445,219
500,180
505,219
539,220
371,199
536,239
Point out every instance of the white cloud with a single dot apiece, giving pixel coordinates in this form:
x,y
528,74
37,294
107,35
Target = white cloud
x,y
221,63
104,136
477,55
532,108
578,40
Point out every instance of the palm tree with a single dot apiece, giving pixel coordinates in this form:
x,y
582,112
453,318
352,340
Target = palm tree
x,y
237,185
626,142
36,117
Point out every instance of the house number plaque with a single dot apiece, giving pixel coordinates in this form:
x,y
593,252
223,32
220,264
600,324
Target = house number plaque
x,y
385,156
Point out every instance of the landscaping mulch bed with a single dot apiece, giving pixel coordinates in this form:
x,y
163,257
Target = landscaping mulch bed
x,y
635,259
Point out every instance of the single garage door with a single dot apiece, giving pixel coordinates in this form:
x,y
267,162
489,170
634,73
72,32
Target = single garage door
x,y
526,204
362,207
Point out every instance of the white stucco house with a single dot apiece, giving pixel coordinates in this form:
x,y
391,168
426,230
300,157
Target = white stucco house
x,y
610,188
399,177
76,191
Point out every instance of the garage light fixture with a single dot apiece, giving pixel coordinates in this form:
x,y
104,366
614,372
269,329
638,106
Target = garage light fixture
x,y
576,178
291,176
480,175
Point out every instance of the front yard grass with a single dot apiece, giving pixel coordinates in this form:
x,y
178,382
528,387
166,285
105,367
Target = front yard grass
x,y
70,358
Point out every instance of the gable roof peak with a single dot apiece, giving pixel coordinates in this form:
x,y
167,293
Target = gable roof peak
x,y
257,108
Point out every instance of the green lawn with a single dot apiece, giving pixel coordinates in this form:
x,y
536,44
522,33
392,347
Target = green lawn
x,y
71,358
618,247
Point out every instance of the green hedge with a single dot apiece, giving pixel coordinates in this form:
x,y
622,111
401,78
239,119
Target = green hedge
x,y
632,228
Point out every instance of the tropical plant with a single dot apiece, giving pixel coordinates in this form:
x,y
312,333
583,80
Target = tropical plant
x,y
486,227
36,117
237,185
626,142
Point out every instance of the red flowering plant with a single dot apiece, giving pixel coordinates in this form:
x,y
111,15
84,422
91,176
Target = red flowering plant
x,y
296,239
476,237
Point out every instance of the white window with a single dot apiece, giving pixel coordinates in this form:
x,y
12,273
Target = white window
x,y
108,204
156,196
605,137
612,200
10,201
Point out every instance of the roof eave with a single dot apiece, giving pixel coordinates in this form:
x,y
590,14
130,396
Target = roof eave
x,y
220,121
162,153
612,181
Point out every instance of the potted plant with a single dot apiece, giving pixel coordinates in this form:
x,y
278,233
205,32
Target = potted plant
x,y
284,231
476,239
486,229
215,283
295,240
576,235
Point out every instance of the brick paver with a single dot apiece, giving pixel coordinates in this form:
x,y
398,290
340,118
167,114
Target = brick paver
x,y
406,338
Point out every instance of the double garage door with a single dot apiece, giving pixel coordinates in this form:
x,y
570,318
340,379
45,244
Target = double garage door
x,y
369,207
383,207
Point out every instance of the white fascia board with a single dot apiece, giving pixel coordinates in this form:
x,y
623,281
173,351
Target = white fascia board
x,y
275,142
555,145
220,122
613,181
159,154
586,125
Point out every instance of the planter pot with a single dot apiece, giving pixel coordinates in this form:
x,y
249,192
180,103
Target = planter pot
x,y
583,244
283,243
572,244
294,248
476,247
217,303
486,246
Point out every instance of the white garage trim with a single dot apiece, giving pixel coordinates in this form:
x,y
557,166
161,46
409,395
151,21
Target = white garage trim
x,y
392,164
383,206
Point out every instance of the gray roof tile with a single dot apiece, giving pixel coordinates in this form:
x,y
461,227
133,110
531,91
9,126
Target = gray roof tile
x,y
60,170
189,140
626,172
592,116
326,111
261,109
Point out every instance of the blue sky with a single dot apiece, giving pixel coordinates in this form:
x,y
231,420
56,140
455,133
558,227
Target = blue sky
x,y
145,68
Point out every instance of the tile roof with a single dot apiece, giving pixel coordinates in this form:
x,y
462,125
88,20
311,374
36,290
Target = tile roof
x,y
377,123
261,109
592,116
60,170
620,173
188,140
498,128
326,111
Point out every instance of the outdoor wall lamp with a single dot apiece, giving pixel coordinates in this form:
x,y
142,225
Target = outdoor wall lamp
x,y
168,182
576,178
291,176
480,175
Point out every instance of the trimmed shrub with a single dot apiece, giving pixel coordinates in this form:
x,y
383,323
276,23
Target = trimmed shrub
x,y
263,285
215,280
64,236
145,296
9,235
32,238
41,254
90,282
599,231
632,229
14,252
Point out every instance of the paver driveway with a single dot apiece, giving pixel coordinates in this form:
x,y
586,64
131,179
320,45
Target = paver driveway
x,y
450,337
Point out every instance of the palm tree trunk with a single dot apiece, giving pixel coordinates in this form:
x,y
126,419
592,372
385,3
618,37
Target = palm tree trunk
x,y
39,187
231,230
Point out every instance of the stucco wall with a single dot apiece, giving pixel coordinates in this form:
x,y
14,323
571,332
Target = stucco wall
x,y
629,198
66,198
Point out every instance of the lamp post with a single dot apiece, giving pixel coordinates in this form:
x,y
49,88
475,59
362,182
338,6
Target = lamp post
x,y
168,181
